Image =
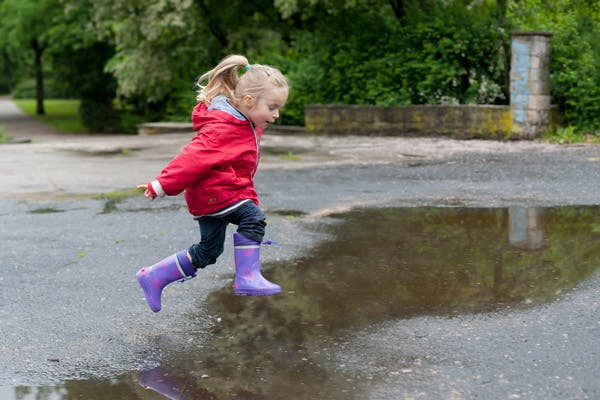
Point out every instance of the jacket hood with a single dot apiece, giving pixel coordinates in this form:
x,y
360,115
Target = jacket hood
x,y
220,111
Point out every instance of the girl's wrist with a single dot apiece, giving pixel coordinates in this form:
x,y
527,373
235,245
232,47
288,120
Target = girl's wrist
x,y
156,189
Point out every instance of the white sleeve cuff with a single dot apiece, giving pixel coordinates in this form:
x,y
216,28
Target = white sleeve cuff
x,y
158,188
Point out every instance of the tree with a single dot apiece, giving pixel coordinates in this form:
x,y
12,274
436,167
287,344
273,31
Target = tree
x,y
163,46
78,57
25,24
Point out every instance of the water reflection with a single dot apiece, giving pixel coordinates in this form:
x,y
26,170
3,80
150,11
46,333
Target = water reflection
x,y
170,385
382,264
525,228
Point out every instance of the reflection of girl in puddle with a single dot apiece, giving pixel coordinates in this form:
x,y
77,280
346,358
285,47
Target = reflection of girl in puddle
x,y
175,387
216,171
172,387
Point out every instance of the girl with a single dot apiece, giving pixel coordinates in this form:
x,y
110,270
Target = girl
x,y
216,170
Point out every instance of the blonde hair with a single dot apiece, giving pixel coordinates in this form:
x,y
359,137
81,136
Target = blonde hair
x,y
225,79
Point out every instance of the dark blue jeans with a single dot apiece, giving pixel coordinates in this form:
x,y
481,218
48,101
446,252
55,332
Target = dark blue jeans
x,y
250,221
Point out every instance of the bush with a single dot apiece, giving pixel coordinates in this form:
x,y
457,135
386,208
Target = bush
x,y
52,90
180,104
4,86
449,53
99,116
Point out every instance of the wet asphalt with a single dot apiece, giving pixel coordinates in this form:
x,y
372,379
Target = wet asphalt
x,y
70,308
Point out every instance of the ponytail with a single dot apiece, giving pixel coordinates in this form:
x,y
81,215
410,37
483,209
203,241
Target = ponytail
x,y
222,79
225,79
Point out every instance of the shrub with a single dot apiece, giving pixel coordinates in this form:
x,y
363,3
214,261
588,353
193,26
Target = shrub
x,y
99,116
451,53
52,90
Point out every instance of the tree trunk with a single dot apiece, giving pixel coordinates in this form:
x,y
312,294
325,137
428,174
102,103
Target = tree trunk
x,y
506,48
39,76
399,11
6,70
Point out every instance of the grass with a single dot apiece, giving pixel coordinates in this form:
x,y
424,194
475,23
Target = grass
x,y
119,195
290,156
569,135
3,135
63,115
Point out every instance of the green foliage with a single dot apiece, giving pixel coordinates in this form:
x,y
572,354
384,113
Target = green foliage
x,y
79,58
24,27
159,46
446,53
180,104
12,63
454,54
52,90
4,85
99,116
25,20
163,46
563,135
569,134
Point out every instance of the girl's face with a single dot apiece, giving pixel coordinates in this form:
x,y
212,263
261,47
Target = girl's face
x,y
264,110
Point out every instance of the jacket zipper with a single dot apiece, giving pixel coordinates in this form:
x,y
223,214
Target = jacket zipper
x,y
257,149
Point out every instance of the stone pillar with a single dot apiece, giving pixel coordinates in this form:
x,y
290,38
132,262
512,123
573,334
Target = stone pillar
x,y
530,83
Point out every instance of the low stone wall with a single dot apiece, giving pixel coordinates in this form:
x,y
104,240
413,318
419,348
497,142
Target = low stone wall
x,y
154,128
456,121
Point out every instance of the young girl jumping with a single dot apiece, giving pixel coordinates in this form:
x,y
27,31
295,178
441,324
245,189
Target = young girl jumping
x,y
216,170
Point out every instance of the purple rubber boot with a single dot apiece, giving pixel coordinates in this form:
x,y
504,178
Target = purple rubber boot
x,y
176,267
248,279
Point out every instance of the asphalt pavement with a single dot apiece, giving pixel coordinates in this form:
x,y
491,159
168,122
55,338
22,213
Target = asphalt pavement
x,y
71,310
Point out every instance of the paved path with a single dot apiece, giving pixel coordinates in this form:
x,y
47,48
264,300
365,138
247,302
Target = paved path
x,y
21,126
54,164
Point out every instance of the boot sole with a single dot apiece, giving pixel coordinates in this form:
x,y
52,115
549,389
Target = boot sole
x,y
249,292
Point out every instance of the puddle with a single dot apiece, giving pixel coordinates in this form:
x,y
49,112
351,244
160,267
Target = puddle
x,y
380,265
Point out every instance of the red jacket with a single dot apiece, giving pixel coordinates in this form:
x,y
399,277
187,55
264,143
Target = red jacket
x,y
216,169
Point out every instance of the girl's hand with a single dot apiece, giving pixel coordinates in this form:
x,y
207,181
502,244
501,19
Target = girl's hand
x,y
147,192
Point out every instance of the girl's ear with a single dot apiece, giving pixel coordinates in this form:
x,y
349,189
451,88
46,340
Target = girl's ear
x,y
248,101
